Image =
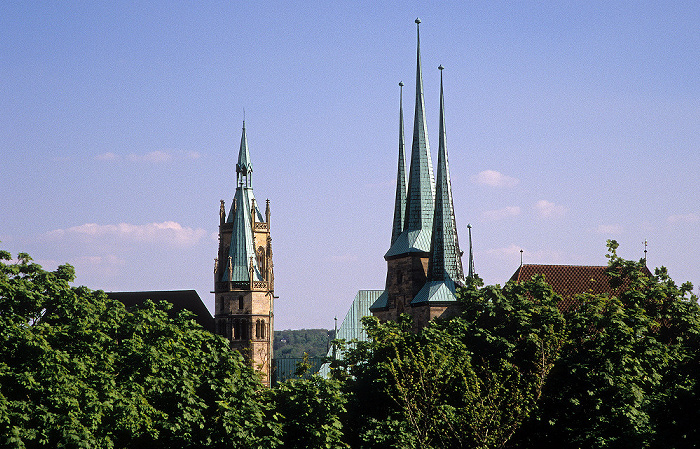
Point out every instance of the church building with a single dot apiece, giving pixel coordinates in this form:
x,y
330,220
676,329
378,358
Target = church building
x,y
244,281
424,261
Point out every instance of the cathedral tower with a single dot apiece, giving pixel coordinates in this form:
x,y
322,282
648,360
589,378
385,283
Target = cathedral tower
x,y
243,272
424,259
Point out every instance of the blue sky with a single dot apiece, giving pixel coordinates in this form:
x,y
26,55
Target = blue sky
x,y
567,124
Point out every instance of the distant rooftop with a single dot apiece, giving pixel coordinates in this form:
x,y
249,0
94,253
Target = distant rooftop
x,y
180,299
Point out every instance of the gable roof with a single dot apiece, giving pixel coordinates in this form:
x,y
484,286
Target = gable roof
x,y
180,299
570,280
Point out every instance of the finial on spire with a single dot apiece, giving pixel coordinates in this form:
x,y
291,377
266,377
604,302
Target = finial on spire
x,y
521,257
645,251
401,83
441,68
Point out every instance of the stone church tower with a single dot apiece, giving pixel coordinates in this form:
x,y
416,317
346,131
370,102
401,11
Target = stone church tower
x,y
243,272
424,262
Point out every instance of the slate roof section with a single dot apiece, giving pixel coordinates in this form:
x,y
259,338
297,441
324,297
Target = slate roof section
x,y
382,302
436,292
180,299
421,185
570,280
400,202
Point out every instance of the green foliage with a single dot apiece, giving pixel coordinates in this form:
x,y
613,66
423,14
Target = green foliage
x,y
78,370
311,411
627,376
464,382
296,343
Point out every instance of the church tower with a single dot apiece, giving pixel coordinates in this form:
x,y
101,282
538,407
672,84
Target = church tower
x,y
243,272
424,253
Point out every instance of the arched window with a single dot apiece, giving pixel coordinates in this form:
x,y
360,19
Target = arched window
x,y
240,302
261,258
262,329
257,329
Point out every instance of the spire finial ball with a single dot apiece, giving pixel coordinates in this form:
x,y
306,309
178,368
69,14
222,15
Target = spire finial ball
x,y
417,20
401,83
440,67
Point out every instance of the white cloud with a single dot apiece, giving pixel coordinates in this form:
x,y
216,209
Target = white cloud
x,y
167,232
547,209
192,155
154,157
687,218
609,229
493,178
499,214
109,156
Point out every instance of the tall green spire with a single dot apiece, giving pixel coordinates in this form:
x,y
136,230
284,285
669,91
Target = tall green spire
x,y
244,210
418,222
400,204
445,260
445,266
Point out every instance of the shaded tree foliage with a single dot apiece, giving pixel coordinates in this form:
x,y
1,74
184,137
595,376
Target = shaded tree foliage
x,y
78,370
311,411
627,376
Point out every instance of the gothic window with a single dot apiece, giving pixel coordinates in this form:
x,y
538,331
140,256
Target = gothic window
x,y
240,302
257,329
262,329
261,258
236,329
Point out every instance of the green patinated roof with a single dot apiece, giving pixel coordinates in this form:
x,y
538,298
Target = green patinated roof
x,y
400,203
436,292
445,257
351,328
421,187
242,250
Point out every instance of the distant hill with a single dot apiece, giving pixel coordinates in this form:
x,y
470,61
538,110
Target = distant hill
x,y
294,343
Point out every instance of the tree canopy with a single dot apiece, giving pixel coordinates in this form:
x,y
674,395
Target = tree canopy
x,y
79,370
511,370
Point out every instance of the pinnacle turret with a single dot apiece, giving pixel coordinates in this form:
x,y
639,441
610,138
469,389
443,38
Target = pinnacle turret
x,y
400,203
244,167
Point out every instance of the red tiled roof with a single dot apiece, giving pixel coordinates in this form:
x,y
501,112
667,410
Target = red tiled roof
x,y
569,280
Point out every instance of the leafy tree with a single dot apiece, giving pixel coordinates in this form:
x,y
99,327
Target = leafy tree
x,y
311,411
627,375
465,382
78,370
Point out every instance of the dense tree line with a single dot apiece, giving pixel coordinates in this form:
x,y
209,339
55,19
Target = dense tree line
x,y
78,370
296,343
